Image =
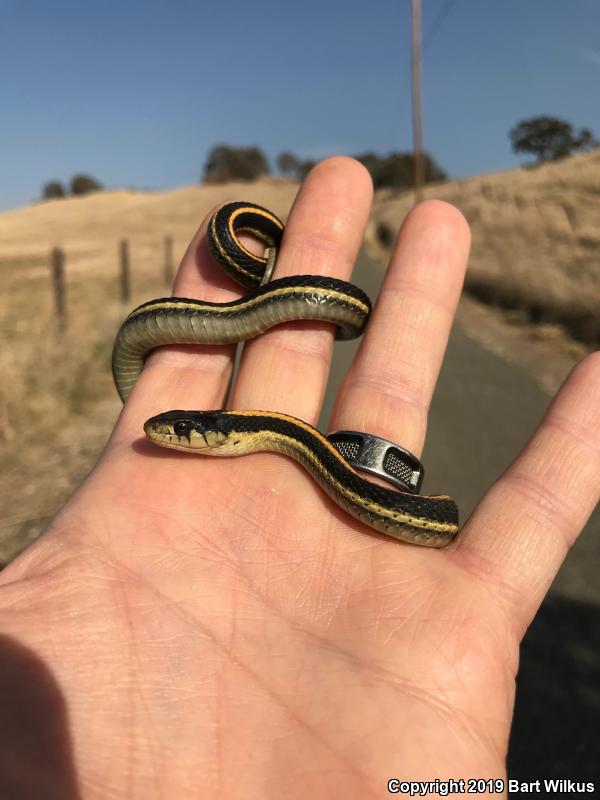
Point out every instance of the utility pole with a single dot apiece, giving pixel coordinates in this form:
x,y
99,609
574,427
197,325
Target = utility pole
x,y
416,99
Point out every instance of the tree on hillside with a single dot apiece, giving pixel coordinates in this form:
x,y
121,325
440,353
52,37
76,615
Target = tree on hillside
x,y
303,168
372,162
225,163
549,138
84,184
433,172
52,190
398,169
287,164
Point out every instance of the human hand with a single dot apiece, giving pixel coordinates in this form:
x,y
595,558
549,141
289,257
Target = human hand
x,y
218,628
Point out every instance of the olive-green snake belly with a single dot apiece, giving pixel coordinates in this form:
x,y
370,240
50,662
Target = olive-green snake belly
x,y
411,517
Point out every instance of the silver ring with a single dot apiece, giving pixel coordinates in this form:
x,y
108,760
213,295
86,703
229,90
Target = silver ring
x,y
380,457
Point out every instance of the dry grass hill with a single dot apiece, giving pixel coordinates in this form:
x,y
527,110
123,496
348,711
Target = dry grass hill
x,y
535,247
536,239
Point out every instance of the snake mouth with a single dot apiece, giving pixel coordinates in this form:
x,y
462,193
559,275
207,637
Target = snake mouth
x,y
167,438
181,434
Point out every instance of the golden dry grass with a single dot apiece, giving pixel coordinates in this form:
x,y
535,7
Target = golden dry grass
x,y
536,238
57,401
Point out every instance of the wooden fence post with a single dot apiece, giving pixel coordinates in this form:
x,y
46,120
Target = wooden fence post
x,y
168,261
57,263
125,274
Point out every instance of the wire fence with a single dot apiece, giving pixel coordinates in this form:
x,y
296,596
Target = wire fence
x,y
56,367
59,277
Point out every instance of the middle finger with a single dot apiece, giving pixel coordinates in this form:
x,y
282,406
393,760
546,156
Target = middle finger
x,y
286,368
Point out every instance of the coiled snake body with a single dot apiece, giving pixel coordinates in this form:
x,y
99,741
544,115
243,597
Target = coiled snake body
x,y
411,517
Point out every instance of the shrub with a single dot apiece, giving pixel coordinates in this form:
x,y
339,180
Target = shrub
x,y
226,163
398,169
53,189
84,184
288,164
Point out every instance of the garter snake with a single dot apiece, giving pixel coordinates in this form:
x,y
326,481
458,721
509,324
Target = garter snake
x,y
426,520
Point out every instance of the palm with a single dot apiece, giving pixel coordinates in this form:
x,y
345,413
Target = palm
x,y
219,628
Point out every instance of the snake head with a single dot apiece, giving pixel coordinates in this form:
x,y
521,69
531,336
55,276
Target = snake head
x,y
187,430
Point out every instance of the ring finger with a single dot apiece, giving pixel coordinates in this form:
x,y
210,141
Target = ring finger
x,y
388,389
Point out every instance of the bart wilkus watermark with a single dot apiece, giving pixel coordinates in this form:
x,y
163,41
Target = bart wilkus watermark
x,y
547,786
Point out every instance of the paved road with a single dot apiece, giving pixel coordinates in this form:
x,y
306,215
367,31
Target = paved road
x,y
483,412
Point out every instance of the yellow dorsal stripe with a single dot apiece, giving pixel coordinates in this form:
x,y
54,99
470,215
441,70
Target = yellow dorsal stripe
x,y
256,212
318,435
300,424
390,513
252,301
259,212
225,255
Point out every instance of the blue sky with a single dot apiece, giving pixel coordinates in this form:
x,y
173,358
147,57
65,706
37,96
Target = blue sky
x,y
136,92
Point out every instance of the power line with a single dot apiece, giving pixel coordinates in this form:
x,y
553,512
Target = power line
x,y
438,22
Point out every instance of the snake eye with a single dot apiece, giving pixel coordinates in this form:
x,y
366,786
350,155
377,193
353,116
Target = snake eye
x,y
182,427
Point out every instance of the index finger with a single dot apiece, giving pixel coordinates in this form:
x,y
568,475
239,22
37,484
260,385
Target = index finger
x,y
174,373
